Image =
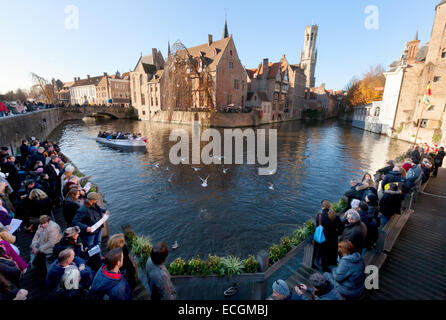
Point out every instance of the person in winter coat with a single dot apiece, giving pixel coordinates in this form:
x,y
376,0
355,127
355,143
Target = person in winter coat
x,y
86,217
373,220
348,277
438,159
282,292
109,283
54,172
129,266
70,240
46,237
393,176
413,175
71,204
37,156
12,265
390,203
38,204
416,155
322,289
355,231
24,152
67,278
328,250
158,278
355,192
363,212
13,173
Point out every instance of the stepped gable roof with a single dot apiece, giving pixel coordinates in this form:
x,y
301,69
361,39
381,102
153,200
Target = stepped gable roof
x,y
273,68
211,54
92,81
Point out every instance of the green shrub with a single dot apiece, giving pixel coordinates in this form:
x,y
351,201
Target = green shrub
x,y
141,247
340,205
232,265
177,267
285,245
251,265
275,254
215,265
197,267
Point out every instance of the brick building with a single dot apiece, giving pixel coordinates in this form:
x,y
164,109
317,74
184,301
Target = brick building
x,y
321,103
424,65
143,73
114,90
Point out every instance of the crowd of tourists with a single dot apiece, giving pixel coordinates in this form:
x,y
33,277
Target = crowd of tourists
x,y
119,135
40,183
34,188
372,201
16,108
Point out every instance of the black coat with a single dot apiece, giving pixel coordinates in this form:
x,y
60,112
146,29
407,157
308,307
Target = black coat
x,y
392,176
439,158
13,177
69,211
37,157
87,217
24,151
328,250
390,203
415,156
356,233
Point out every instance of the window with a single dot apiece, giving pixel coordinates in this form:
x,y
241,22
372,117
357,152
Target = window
x,y
432,108
151,101
424,123
144,113
243,101
230,65
143,100
140,80
377,110
156,101
437,79
443,55
243,84
230,52
236,85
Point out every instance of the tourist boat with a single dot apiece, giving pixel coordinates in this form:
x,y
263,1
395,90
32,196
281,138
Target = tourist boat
x,y
135,143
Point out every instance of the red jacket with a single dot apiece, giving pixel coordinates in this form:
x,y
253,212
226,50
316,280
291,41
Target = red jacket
x,y
3,107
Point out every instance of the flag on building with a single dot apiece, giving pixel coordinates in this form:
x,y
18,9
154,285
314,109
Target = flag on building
x,y
426,102
429,90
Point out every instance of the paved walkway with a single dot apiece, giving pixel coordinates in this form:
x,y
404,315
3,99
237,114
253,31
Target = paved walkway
x,y
416,267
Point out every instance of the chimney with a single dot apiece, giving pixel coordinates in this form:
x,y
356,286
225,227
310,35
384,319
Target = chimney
x,y
88,76
265,68
105,74
209,39
75,79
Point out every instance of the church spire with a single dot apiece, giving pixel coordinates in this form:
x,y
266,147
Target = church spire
x,y
225,30
168,48
416,36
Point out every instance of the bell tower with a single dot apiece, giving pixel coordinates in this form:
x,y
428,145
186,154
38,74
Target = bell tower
x,y
308,56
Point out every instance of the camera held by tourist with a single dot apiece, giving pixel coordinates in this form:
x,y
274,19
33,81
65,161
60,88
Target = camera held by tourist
x,y
322,289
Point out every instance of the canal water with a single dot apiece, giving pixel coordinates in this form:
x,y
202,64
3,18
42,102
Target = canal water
x,y
237,214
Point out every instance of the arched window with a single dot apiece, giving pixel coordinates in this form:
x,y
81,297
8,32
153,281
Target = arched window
x,y
141,80
377,110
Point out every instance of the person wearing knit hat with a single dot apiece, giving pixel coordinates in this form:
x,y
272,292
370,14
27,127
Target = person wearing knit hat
x,y
71,231
281,291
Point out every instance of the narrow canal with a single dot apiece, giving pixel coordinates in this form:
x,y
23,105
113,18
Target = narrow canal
x,y
237,214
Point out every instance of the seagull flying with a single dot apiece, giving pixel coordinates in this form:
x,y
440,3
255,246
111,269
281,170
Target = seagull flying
x,y
205,181
196,169
175,245
156,165
271,186
225,170
171,178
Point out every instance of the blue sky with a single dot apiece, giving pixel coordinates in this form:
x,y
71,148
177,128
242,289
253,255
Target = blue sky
x,y
112,34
